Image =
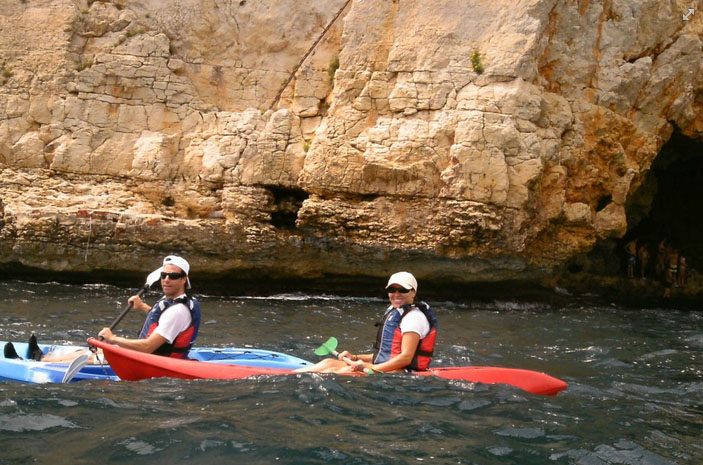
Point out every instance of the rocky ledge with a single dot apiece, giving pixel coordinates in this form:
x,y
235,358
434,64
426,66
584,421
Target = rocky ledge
x,y
465,141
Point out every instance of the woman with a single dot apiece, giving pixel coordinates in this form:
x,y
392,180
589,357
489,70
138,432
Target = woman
x,y
405,339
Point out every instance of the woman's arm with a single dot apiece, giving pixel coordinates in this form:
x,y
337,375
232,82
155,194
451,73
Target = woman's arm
x,y
408,346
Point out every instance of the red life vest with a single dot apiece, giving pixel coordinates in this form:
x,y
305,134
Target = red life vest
x,y
182,344
388,347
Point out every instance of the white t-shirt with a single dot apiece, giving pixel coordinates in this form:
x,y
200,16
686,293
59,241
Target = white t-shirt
x,y
174,320
415,322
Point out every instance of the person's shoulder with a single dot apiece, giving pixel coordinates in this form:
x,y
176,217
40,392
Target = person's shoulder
x,y
181,304
179,313
417,312
428,312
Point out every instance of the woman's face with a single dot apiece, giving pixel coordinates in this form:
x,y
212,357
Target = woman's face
x,y
398,296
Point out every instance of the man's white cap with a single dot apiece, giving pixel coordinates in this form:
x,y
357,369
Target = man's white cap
x,y
181,263
404,279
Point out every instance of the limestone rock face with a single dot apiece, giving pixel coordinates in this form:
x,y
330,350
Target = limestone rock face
x,y
459,139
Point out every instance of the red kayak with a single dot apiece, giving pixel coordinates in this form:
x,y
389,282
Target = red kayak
x,y
131,365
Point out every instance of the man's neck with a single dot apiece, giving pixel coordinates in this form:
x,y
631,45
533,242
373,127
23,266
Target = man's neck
x,y
174,296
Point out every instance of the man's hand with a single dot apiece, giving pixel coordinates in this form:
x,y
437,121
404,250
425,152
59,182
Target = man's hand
x,y
138,304
106,334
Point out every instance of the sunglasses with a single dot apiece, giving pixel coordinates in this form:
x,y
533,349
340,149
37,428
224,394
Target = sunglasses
x,y
173,275
402,290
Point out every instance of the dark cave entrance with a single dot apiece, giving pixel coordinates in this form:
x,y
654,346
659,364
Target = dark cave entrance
x,y
668,206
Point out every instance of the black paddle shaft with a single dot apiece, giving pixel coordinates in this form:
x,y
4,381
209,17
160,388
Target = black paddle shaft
x,y
81,361
127,308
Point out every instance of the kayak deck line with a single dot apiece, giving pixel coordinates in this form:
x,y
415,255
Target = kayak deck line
x,y
134,366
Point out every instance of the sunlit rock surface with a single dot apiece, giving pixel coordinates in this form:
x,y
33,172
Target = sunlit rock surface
x,y
462,140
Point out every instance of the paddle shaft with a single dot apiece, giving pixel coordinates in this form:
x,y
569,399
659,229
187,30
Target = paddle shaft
x,y
78,364
128,308
346,359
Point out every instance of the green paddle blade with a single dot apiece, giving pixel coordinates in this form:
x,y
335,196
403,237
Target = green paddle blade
x,y
328,347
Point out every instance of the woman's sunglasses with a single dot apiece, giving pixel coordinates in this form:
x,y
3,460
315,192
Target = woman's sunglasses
x,y
402,290
172,276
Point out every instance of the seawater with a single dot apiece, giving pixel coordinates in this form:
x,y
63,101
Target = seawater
x,y
635,387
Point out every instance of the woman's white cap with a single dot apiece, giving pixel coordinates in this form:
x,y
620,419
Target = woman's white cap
x,y
181,263
404,279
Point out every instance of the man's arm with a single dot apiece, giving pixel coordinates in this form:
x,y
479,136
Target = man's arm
x,y
173,321
148,345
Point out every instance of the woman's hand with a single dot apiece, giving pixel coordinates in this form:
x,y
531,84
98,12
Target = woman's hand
x,y
349,355
358,366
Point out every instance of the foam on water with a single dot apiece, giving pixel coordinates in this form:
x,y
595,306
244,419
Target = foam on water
x,y
19,423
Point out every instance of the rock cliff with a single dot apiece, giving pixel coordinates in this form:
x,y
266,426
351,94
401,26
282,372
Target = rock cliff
x,y
464,140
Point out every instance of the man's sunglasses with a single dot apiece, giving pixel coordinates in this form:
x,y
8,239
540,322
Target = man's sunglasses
x,y
173,276
402,290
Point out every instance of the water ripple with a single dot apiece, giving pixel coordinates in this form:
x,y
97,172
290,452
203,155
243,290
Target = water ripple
x,y
29,422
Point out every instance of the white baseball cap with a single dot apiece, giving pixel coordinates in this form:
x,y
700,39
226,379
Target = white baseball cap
x,y
404,279
180,262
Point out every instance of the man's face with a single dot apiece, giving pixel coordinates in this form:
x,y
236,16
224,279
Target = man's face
x,y
173,287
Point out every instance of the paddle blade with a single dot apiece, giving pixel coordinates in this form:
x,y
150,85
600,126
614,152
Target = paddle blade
x,y
329,347
76,365
153,277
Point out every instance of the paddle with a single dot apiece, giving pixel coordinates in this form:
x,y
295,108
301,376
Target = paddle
x,y
76,365
150,280
81,361
330,348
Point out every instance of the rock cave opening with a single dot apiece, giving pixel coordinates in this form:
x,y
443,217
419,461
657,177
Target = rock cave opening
x,y
667,207
287,202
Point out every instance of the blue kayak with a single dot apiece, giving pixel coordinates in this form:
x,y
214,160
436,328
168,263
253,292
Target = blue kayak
x,y
30,371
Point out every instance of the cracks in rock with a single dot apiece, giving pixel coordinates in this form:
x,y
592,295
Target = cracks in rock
x,y
606,13
651,52
233,16
654,53
292,74
657,49
543,66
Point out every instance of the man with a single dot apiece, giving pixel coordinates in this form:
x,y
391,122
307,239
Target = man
x,y
405,339
171,325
